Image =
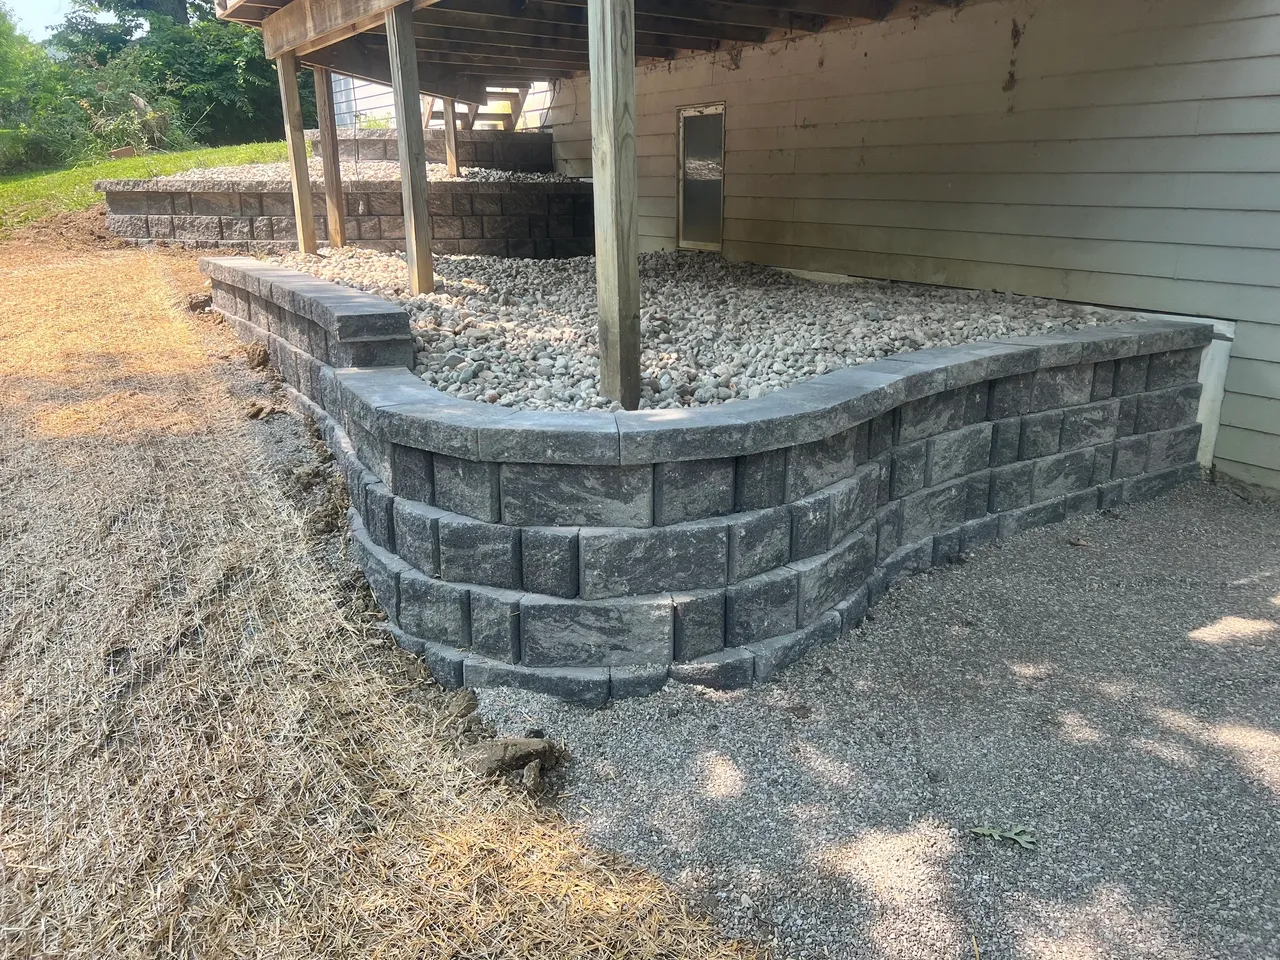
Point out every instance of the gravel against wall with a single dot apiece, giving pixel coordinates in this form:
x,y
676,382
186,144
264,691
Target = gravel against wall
x,y
522,333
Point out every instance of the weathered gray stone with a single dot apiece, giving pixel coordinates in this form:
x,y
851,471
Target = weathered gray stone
x,y
1036,515
1006,438
620,561
1060,475
555,436
584,685
1172,448
946,547
134,227
197,228
977,494
1104,380
977,401
495,623
1085,501
1041,435
444,663
1103,454
979,533
760,480
567,495
434,610
472,551
1011,396
907,561
1062,387
730,669
468,487
812,466
1151,485
764,606
417,534
381,568
884,490
933,511
1111,495
827,579
888,530
957,453
1131,376
598,633
1166,409
853,501
1173,368
699,623
692,490
549,556
378,517
853,610
411,474
1130,457
373,451
880,435
910,464
1090,424
637,681
810,526
930,416
758,541
778,653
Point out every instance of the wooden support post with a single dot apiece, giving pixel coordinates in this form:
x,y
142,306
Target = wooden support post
x,y
335,206
413,151
472,110
450,137
299,173
611,35
428,111
517,108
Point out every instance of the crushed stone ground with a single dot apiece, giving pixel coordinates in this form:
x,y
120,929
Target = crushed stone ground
x,y
523,333
1112,683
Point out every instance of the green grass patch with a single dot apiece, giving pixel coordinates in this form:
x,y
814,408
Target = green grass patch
x,y
25,197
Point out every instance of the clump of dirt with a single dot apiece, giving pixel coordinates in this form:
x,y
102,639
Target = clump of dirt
x,y
74,230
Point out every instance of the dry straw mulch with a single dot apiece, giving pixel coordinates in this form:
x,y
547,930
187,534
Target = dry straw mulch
x,y
206,748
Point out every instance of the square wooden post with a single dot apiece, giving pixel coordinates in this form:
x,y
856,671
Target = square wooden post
x,y
406,92
450,137
299,173
614,171
335,205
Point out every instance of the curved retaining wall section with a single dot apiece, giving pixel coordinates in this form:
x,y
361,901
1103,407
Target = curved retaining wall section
x,y
591,555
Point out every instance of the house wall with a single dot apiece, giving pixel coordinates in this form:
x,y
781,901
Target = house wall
x,y
1122,152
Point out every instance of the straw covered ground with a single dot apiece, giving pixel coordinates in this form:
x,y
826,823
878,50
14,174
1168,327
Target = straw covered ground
x,y
208,748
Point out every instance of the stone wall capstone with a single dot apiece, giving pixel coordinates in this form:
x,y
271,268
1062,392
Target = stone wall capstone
x,y
594,555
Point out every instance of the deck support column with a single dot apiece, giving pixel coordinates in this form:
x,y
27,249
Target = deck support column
x,y
451,137
611,39
299,174
335,205
406,93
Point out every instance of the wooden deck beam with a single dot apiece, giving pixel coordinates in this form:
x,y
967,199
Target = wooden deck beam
x,y
413,150
295,140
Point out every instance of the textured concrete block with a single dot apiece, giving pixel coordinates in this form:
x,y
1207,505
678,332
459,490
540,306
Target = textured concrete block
x,y
853,501
1036,515
381,568
1173,368
1103,454
1011,396
1166,409
778,653
549,556
1131,376
1006,439
979,533
907,561
1090,424
908,470
1130,457
946,547
730,669
1085,501
599,633
977,494
1111,495
127,226
417,534
692,490
444,663
1010,487
977,401
1041,435
699,623
888,530
1104,380
378,517
626,683
930,415
434,610
1062,387
469,487
933,511
853,610
495,623
563,495
1172,448
957,453
812,466
583,685
810,526
1057,476
827,579
411,474
764,606
758,541
619,561
880,435
1151,485
476,552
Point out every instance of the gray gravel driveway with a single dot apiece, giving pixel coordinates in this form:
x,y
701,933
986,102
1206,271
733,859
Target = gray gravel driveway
x,y
1112,683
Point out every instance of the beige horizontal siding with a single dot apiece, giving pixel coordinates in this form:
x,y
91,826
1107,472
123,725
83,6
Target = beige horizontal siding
x,y
1123,152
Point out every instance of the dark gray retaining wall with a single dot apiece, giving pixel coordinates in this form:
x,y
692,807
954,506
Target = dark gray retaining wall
x,y
591,555
504,219
522,151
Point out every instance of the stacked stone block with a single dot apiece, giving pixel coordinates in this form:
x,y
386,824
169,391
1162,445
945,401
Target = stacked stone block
x,y
599,555
522,151
504,219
